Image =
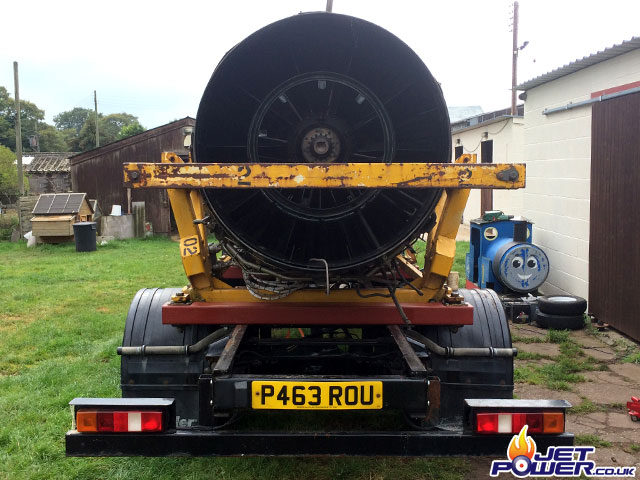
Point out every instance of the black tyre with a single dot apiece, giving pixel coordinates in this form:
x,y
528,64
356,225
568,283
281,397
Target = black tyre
x,y
473,377
567,305
164,376
560,322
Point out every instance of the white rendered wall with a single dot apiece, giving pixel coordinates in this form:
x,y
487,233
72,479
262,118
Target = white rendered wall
x,y
557,150
507,148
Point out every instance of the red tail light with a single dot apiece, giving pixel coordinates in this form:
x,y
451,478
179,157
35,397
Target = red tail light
x,y
512,422
119,421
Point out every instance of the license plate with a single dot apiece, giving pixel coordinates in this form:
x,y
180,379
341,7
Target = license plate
x,y
276,395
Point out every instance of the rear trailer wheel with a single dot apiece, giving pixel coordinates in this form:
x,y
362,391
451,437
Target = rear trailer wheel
x,y
560,322
562,305
163,376
473,377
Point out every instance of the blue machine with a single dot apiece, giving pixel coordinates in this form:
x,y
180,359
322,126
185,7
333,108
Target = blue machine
x,y
502,257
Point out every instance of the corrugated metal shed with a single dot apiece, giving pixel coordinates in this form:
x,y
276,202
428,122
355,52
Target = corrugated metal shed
x,y
50,162
606,54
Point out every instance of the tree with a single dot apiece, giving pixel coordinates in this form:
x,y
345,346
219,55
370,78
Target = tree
x,y
30,117
87,136
7,120
131,130
74,130
8,175
51,140
7,133
71,139
110,127
72,119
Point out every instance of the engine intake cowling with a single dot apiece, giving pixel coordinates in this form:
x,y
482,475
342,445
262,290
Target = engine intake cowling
x,y
322,88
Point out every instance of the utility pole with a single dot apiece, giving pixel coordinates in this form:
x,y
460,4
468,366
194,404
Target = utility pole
x,y
37,138
18,129
329,6
514,61
95,103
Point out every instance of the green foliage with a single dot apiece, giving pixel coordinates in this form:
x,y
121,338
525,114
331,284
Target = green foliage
x,y
520,339
558,336
7,120
8,175
51,140
87,137
110,127
72,119
31,118
61,322
131,130
458,263
592,440
8,223
74,129
71,139
632,358
586,407
522,355
552,336
566,366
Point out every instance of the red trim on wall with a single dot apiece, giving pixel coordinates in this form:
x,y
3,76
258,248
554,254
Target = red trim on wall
x,y
253,313
617,89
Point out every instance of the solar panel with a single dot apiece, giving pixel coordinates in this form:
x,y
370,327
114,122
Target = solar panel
x,y
58,203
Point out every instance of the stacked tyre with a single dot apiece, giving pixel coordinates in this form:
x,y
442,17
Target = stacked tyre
x,y
561,312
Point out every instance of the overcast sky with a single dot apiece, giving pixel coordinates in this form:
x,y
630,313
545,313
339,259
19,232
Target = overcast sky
x,y
153,58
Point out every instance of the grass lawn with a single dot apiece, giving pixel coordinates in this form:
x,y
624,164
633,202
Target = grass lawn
x,y
62,316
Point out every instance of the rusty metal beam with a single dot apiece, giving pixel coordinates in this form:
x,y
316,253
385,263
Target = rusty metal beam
x,y
329,175
225,361
440,250
314,313
187,206
408,353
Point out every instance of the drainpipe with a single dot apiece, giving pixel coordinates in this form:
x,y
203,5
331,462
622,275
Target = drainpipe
x,y
571,106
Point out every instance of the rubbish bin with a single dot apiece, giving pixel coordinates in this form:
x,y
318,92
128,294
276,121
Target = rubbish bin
x,y
85,235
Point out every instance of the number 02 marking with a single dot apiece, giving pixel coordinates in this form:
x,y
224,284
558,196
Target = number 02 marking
x,y
189,246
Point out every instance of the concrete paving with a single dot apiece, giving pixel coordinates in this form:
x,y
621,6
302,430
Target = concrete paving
x,y
606,390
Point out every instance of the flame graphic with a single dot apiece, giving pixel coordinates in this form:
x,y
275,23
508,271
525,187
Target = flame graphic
x,y
521,444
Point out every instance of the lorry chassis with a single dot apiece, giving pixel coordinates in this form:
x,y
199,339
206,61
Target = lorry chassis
x,y
208,353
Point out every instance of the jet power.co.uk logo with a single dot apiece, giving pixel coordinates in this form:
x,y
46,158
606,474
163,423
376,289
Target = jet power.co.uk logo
x,y
525,461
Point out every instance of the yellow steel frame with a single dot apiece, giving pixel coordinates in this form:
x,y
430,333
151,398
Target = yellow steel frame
x,y
186,180
338,175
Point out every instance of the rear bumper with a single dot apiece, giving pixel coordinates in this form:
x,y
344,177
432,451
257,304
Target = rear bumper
x,y
229,443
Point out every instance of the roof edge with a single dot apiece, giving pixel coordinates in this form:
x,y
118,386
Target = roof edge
x,y
125,142
580,64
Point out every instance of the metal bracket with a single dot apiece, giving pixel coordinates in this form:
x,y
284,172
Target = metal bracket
x,y
413,362
433,403
228,354
509,175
